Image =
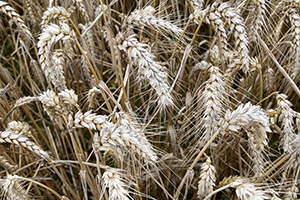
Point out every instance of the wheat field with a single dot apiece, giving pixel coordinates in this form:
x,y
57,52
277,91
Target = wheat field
x,y
157,99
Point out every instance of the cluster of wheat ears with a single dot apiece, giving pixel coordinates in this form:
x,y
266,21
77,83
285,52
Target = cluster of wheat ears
x,y
149,99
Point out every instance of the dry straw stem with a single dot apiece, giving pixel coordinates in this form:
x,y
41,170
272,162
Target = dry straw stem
x,y
17,136
50,36
148,68
9,11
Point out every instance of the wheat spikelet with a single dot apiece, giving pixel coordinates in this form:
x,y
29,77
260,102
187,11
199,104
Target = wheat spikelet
x,y
55,74
286,116
207,180
90,120
211,100
295,49
68,100
148,68
9,11
291,193
117,188
51,103
50,36
53,13
11,189
269,80
145,17
17,136
197,4
237,28
6,164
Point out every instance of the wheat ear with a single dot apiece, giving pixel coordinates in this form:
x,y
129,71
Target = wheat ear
x,y
207,180
6,164
237,27
286,116
148,68
11,189
50,36
116,187
146,17
51,13
211,100
9,11
295,49
212,16
13,135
